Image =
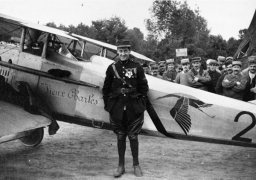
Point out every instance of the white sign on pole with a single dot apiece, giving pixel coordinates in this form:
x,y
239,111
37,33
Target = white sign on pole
x,y
181,52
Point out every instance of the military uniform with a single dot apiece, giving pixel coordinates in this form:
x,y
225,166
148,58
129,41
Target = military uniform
x,y
203,77
126,103
250,89
118,96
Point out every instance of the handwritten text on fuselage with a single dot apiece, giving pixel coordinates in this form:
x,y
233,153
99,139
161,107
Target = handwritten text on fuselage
x,y
71,94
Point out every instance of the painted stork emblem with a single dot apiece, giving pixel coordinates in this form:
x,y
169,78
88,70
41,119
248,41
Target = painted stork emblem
x,y
179,112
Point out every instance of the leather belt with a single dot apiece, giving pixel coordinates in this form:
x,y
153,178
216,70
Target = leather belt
x,y
124,90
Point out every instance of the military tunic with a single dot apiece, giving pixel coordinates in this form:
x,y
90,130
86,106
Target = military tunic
x,y
132,103
170,75
203,78
215,75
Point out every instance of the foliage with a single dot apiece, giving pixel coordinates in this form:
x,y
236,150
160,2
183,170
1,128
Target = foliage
x,y
109,31
172,25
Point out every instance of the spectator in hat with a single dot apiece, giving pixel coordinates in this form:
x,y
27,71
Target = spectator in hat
x,y
229,70
124,93
234,83
179,68
250,89
146,68
170,73
197,77
229,58
215,75
161,69
208,64
155,71
182,77
221,62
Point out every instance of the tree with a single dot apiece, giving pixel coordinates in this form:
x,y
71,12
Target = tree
x,y
217,46
232,45
51,24
109,30
170,18
177,26
136,37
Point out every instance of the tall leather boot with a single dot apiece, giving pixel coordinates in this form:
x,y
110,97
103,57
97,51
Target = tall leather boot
x,y
134,143
121,146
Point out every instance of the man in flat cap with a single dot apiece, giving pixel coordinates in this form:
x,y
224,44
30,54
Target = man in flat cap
x,y
250,89
229,58
124,91
197,77
182,77
170,73
208,64
234,83
154,71
229,70
221,62
146,68
215,75
161,69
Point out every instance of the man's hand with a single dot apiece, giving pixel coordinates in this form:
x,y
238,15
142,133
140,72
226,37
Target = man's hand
x,y
253,90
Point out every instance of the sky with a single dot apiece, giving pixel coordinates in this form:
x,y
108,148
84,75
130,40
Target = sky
x,y
224,17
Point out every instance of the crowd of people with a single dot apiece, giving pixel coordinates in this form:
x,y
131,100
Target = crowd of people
x,y
223,76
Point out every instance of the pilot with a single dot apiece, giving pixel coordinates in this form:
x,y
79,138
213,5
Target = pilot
x,y
197,77
124,92
250,89
170,73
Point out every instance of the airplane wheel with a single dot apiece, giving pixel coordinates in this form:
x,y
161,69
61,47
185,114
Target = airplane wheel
x,y
34,139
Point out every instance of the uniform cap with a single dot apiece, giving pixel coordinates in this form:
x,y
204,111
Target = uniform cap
x,y
144,65
229,58
252,60
236,63
221,58
183,61
228,62
168,61
196,59
154,66
213,61
208,61
123,43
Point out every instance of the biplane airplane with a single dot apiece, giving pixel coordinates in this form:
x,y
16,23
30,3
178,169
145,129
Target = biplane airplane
x,y
62,69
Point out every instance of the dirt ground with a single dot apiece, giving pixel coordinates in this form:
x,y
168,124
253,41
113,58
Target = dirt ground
x,y
78,152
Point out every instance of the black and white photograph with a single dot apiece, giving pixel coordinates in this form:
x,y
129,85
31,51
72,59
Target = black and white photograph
x,y
118,89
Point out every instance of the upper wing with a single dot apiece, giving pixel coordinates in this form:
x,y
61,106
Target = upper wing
x,y
182,116
47,29
110,46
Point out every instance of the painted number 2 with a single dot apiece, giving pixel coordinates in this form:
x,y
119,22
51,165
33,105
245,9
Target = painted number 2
x,y
238,136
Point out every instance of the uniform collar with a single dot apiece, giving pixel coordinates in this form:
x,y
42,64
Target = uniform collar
x,y
124,62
